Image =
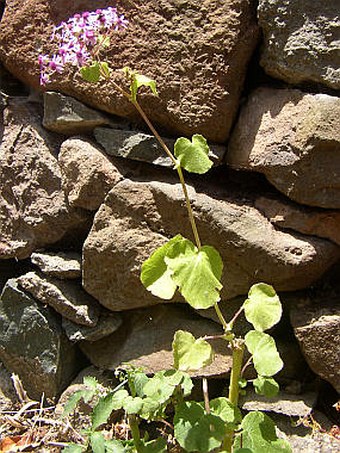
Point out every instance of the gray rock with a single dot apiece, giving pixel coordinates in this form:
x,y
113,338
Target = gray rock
x,y
63,265
65,297
137,217
301,40
66,115
286,404
287,215
292,138
146,337
317,327
197,51
106,325
87,173
33,208
144,147
33,345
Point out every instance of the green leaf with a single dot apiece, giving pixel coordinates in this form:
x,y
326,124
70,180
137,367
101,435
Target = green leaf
x,y
132,405
97,441
195,430
73,448
114,446
266,386
266,359
74,399
138,80
104,41
139,380
91,382
104,69
190,354
151,409
258,435
91,73
243,450
193,155
196,272
229,413
155,275
154,446
105,406
263,307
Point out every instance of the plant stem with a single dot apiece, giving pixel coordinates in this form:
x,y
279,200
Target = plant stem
x,y
135,432
189,209
234,389
179,171
221,317
172,158
206,395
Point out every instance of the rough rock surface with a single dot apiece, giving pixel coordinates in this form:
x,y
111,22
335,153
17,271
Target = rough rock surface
x,y
63,265
146,337
137,217
287,215
67,298
87,173
68,116
317,328
33,208
202,53
144,147
301,40
33,345
294,140
108,323
284,403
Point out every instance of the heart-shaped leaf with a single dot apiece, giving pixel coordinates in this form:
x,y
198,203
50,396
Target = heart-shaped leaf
x,y
190,354
195,430
196,272
266,386
266,358
91,73
193,155
259,435
263,307
155,275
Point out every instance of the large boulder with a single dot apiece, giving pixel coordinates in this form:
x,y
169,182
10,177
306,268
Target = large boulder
x,y
292,138
34,211
33,344
197,51
137,217
146,337
88,174
301,40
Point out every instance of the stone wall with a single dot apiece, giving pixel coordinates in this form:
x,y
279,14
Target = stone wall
x,y
86,194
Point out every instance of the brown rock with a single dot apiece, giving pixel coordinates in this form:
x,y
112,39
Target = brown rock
x,y
294,140
146,337
33,209
197,51
67,298
317,328
88,173
137,217
68,116
316,222
61,265
301,40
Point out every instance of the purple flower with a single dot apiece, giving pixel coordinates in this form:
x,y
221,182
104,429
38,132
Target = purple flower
x,y
77,38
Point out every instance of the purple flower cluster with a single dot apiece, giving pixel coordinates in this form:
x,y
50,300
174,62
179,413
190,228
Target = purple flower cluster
x,y
77,38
